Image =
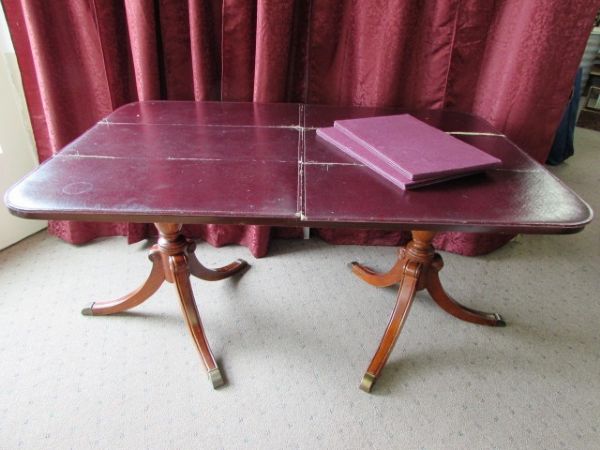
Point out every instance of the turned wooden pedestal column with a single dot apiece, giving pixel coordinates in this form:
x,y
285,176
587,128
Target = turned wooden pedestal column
x,y
417,268
173,260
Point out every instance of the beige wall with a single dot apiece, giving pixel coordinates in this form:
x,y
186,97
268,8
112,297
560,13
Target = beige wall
x,y
17,148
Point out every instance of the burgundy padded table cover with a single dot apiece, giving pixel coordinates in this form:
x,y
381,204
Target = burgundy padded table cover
x,y
248,163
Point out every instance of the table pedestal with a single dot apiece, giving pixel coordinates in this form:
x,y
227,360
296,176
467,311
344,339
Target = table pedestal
x,y
173,260
417,268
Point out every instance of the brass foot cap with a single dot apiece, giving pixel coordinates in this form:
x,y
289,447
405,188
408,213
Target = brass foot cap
x,y
367,382
214,376
499,320
88,311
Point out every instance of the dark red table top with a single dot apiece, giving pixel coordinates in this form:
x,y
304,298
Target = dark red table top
x,y
214,162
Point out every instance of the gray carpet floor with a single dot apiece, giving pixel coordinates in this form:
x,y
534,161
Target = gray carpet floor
x,y
293,336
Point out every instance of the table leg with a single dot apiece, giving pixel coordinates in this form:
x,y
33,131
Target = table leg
x,y
181,278
173,260
135,298
451,306
406,295
389,278
417,268
219,273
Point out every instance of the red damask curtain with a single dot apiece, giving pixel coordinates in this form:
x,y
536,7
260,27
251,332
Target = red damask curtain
x,y
509,61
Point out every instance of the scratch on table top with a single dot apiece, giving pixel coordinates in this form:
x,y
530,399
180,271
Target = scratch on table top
x,y
207,125
77,155
296,127
475,133
323,163
500,169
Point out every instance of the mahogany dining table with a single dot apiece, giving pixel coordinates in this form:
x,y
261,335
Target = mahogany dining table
x,y
173,163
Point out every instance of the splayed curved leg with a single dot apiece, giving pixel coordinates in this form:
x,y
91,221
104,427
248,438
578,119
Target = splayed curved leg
x,y
135,298
393,276
181,278
406,295
451,306
200,271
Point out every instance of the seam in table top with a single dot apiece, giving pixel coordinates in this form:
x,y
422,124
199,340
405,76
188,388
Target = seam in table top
x,y
300,127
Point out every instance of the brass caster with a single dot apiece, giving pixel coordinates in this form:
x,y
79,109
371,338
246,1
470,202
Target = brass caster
x,y
88,311
367,382
214,376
